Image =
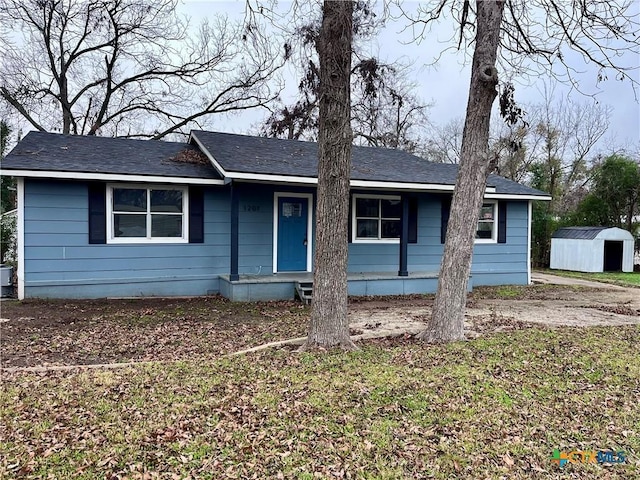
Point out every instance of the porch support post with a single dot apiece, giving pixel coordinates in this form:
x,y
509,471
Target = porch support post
x,y
404,237
235,211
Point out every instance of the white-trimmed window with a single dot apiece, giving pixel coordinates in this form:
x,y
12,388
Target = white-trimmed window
x,y
142,214
376,218
487,231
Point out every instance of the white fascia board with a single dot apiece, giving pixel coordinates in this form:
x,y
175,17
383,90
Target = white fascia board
x,y
400,185
267,177
407,186
297,180
373,184
512,196
111,177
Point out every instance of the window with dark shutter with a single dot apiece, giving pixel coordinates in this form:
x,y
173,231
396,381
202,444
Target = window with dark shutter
x,y
445,211
196,215
502,222
492,222
97,213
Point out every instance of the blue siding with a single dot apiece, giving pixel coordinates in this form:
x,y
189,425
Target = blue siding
x,y
255,227
493,263
59,262
146,288
504,263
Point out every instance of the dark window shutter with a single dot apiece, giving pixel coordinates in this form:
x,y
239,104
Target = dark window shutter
x,y
196,215
350,227
413,220
444,218
502,222
97,213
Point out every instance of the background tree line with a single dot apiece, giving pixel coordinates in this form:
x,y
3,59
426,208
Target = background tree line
x,y
560,148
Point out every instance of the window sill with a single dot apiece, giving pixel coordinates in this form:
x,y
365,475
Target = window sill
x,y
374,240
146,241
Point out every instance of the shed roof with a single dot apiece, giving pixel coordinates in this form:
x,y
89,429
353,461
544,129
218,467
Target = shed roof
x,y
580,233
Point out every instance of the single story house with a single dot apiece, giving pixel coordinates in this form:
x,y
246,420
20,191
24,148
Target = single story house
x,y
592,249
234,214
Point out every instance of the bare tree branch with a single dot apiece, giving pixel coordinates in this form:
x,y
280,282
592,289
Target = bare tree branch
x,y
537,35
93,66
18,106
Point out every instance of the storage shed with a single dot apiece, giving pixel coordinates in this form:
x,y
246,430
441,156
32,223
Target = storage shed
x,y
592,249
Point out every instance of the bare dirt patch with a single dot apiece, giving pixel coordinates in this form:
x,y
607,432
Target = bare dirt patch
x,y
496,309
48,332
561,305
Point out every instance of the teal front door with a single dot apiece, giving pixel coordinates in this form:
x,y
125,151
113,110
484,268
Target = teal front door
x,y
292,234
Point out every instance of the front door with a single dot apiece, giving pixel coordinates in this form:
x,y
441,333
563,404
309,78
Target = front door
x,y
292,234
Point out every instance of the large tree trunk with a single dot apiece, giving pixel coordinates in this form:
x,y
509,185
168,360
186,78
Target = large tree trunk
x,y
329,326
447,320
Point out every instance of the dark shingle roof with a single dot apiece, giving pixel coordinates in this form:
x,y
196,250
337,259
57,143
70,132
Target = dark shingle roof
x,y
581,233
74,153
39,151
276,156
273,156
506,186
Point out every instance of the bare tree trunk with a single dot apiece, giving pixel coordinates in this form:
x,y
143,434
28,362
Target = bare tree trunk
x,y
447,320
329,326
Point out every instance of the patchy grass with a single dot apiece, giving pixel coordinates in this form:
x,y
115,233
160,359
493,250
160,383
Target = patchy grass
x,y
630,279
529,292
494,408
507,292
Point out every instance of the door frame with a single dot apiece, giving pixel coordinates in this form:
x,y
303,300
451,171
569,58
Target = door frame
x,y
618,244
276,212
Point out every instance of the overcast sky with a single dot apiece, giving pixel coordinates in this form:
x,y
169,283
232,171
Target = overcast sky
x,y
445,84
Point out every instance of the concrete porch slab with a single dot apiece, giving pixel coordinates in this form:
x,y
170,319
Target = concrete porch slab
x,y
281,286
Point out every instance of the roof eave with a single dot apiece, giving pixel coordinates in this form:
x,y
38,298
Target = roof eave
x,y
115,177
517,196
376,184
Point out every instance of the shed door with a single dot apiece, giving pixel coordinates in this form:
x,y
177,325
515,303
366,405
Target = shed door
x,y
613,256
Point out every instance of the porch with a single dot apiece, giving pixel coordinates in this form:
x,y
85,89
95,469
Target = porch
x,y
282,286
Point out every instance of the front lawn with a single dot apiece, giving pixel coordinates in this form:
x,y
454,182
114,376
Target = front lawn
x,y
629,279
496,407
70,332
